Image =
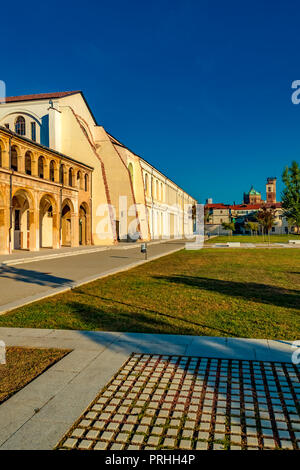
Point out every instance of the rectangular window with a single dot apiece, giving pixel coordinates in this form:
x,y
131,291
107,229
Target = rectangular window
x,y
17,219
33,131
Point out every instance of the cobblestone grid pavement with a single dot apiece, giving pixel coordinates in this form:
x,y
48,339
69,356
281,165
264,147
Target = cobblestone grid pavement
x,y
192,403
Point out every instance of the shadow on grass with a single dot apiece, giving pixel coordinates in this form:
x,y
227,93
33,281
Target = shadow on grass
x,y
144,320
263,293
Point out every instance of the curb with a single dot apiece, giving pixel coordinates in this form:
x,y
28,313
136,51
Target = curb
x,y
54,256
74,253
72,285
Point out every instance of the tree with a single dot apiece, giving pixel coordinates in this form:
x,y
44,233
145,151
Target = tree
x,y
229,226
252,226
291,194
207,215
266,218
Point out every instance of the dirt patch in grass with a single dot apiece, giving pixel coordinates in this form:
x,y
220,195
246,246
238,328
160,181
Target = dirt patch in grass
x,y
23,365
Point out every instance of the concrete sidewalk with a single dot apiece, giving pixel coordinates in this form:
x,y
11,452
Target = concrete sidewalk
x,y
39,415
251,245
26,283
24,256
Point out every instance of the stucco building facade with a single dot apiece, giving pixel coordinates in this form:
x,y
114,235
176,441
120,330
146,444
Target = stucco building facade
x,y
64,180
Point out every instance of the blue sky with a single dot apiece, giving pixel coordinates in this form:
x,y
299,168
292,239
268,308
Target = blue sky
x,y
200,89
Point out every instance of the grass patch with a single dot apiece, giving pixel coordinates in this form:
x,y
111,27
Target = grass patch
x,y
23,365
224,292
253,238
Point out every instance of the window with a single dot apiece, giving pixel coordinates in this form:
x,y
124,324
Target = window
x,y
52,171
41,167
79,179
86,183
146,183
61,174
70,177
33,131
0,155
14,159
20,126
27,163
6,125
17,219
130,169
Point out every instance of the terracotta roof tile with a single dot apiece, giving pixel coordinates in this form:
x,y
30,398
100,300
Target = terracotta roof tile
x,y
41,96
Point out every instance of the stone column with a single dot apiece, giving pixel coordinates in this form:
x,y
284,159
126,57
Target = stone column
x,y
34,164
5,158
46,169
33,230
21,161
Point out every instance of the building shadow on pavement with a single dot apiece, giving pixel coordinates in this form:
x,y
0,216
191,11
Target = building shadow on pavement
x,y
32,277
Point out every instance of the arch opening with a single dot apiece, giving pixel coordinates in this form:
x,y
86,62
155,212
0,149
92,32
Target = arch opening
x,y
3,232
66,223
28,163
41,167
21,221
48,226
20,127
83,224
14,158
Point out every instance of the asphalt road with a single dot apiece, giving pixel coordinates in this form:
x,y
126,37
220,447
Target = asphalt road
x,y
28,282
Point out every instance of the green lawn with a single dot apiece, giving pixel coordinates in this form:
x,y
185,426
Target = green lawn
x,y
225,292
23,365
253,239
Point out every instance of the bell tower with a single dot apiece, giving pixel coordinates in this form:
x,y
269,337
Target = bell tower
x,y
271,190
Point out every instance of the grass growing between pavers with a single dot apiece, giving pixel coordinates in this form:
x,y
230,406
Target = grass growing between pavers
x,y
224,292
23,365
160,402
253,238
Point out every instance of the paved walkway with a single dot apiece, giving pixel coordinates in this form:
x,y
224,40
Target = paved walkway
x,y
25,256
43,412
24,283
251,245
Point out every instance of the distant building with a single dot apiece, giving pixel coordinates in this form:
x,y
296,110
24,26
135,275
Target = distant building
x,y
252,197
271,190
240,214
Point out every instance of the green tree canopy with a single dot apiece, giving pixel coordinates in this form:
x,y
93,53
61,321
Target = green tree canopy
x,y
291,194
229,226
266,217
252,226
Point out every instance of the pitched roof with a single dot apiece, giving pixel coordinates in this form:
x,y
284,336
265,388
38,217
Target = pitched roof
x,y
243,207
218,205
48,96
40,96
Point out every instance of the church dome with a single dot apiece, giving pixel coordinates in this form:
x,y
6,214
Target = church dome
x,y
253,192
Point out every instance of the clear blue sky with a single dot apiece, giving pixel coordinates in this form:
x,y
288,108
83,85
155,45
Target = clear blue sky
x,y
200,89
